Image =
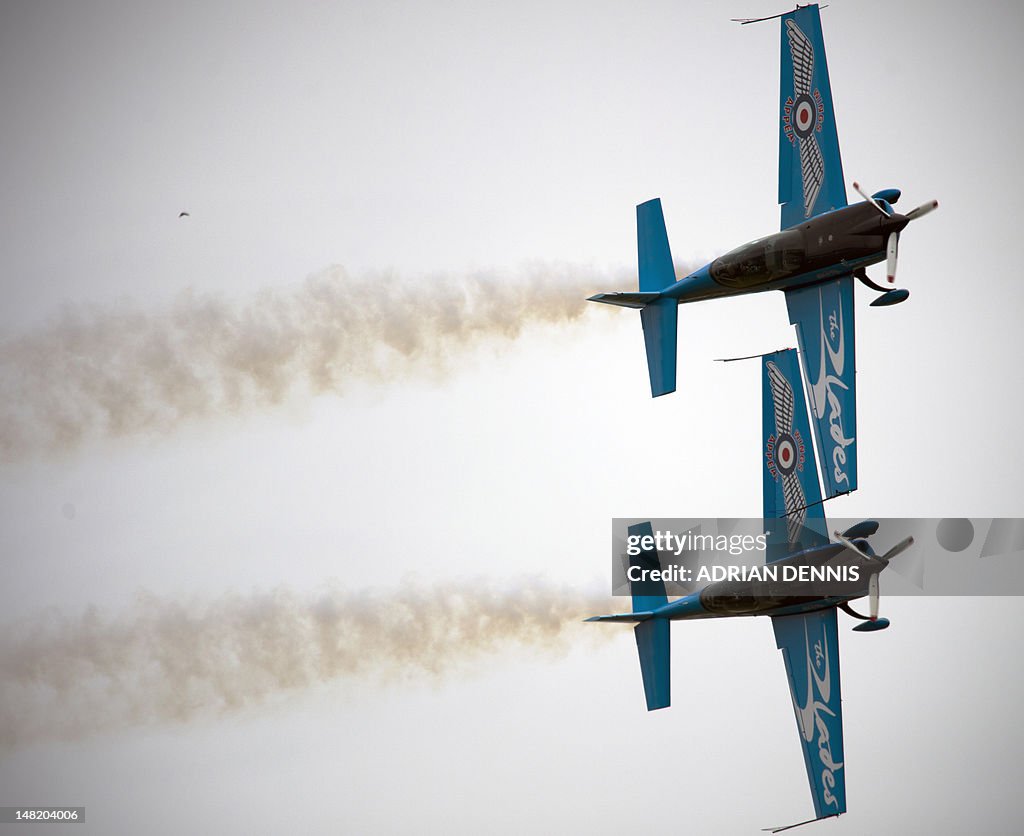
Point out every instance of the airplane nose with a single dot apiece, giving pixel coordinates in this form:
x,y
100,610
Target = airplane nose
x,y
895,223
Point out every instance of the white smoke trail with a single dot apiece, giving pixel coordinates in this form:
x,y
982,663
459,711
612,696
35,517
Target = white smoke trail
x,y
107,374
66,677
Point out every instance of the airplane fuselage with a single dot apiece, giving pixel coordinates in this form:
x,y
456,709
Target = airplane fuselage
x,y
732,598
821,248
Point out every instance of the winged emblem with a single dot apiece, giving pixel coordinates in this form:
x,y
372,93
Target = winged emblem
x,y
803,114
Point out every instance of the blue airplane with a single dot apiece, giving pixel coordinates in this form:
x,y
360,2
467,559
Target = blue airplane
x,y
823,245
806,625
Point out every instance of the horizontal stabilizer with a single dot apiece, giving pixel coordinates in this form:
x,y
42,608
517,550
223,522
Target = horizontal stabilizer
x,y
627,617
652,641
625,300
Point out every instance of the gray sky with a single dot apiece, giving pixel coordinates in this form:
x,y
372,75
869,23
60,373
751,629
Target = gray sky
x,y
415,145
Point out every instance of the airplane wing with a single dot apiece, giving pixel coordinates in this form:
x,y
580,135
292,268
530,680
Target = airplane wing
x,y
810,647
793,514
823,316
809,641
810,168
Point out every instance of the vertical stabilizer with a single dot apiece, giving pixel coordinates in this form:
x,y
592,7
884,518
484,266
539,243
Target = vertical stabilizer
x,y
660,317
653,642
647,595
652,636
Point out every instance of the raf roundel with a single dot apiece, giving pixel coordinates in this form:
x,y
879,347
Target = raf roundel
x,y
785,454
804,115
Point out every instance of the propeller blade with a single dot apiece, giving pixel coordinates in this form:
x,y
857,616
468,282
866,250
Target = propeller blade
x,y
890,256
923,209
870,200
873,595
911,568
851,546
854,547
900,547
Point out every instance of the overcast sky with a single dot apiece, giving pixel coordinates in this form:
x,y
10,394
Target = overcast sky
x,y
182,467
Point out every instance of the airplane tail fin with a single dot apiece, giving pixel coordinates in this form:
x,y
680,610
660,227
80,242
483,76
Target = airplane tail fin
x,y
652,633
653,636
653,642
660,321
659,315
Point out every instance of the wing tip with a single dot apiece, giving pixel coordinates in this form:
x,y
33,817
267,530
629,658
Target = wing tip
x,y
799,823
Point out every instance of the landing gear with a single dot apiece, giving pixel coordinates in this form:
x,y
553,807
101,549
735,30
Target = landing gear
x,y
890,296
868,624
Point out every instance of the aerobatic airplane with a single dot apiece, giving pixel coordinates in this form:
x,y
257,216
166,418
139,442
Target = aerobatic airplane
x,y
806,625
823,244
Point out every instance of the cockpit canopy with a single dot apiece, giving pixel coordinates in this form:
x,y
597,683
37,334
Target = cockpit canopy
x,y
764,260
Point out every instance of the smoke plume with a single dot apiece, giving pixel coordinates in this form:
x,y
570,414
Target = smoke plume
x,y
63,677
111,373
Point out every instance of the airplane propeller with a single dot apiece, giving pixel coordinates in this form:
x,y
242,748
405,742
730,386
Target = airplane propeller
x,y
872,621
873,580
892,243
